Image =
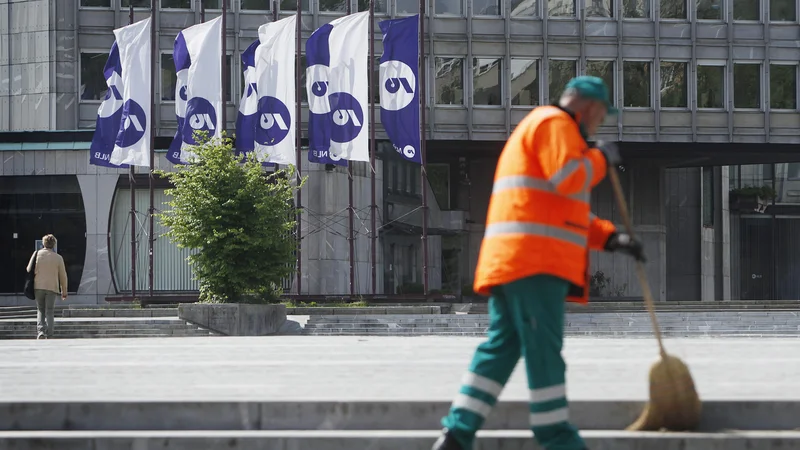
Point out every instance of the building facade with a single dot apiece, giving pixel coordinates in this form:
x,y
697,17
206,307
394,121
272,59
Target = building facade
x,y
697,82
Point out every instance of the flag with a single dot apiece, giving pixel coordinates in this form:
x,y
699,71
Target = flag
x,y
275,74
108,114
198,91
246,119
399,85
132,144
337,85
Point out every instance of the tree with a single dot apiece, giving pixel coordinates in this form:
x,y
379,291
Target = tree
x,y
239,220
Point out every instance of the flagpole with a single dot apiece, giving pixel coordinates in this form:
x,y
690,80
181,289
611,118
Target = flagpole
x,y
202,12
422,136
350,214
224,69
298,142
372,145
153,59
274,10
131,177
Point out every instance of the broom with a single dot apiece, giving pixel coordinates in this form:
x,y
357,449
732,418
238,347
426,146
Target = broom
x,y
674,404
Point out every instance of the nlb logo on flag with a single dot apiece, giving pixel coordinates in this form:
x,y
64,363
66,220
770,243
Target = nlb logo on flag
x,y
248,106
275,77
336,81
108,114
399,85
198,91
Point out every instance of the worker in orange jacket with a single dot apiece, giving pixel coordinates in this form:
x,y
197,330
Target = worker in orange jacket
x,y
534,256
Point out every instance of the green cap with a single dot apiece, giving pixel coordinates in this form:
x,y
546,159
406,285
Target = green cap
x,y
592,88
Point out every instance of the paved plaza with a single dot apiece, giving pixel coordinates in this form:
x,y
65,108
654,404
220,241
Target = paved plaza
x,y
368,368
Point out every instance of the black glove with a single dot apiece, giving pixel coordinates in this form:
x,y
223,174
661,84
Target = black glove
x,y
623,242
611,152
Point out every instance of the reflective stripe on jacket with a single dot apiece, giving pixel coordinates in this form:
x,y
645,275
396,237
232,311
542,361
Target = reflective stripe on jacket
x,y
539,220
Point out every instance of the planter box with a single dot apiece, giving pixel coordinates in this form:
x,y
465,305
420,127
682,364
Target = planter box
x,y
748,203
235,319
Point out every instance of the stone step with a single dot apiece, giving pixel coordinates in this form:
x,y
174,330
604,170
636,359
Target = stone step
x,y
381,440
121,312
598,334
358,415
109,333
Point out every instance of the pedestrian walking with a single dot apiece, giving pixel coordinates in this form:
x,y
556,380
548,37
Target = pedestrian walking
x,y
534,256
50,278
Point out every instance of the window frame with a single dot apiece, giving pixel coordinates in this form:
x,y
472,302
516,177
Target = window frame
x,y
760,13
785,22
615,78
110,7
726,95
161,53
652,106
649,18
89,50
575,59
452,16
723,14
500,80
539,81
501,9
796,65
688,106
760,63
464,103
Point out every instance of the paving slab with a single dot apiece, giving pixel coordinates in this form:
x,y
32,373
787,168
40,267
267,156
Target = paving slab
x,y
310,368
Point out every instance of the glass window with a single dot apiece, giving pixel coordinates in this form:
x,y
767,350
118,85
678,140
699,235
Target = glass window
x,y
176,4
93,82
168,78
605,71
256,5
708,196
709,9
561,71
746,85
782,86
524,82
381,6
31,207
636,9
136,3
673,9
406,6
599,8
524,8
96,3
487,74
561,8
782,11
449,81
303,92
376,76
333,5
212,4
710,86
636,84
448,7
674,84
291,5
746,10
485,7
229,71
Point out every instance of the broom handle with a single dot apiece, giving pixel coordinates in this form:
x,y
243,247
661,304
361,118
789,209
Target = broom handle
x,y
626,219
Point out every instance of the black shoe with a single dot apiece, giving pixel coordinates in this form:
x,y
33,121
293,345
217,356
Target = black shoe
x,y
447,442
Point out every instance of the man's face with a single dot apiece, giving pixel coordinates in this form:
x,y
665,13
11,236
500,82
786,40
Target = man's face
x,y
594,115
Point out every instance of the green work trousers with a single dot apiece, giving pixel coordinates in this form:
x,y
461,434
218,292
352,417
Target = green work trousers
x,y
527,319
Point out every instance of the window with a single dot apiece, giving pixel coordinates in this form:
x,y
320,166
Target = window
x,y
746,86
406,7
782,86
487,75
674,84
303,91
449,7
561,8
229,71
449,81
168,78
212,4
381,6
485,7
256,5
291,5
376,76
524,8
709,10
746,10
524,82
636,84
96,3
93,82
711,86
673,9
782,11
31,207
708,196
599,8
439,179
605,71
176,4
561,71
136,3
339,6
636,9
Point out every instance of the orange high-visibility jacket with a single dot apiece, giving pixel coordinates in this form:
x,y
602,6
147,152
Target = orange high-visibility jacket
x,y
539,220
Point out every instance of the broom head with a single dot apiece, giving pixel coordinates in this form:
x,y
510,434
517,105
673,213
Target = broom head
x,y
674,404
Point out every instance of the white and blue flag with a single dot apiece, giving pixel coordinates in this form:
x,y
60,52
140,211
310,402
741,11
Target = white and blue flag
x,y
337,85
109,114
198,91
275,77
248,106
399,85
